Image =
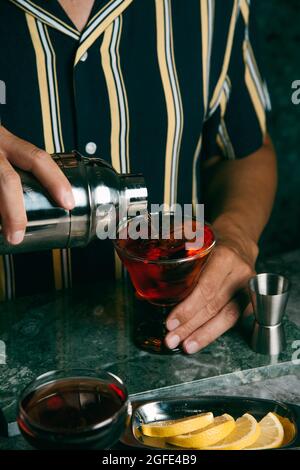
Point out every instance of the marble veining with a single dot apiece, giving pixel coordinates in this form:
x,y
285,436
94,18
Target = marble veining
x,y
92,327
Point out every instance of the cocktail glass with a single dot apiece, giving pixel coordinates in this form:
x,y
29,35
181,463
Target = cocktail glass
x,y
163,271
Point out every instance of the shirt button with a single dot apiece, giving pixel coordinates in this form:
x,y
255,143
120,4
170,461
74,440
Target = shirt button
x,y
91,148
84,57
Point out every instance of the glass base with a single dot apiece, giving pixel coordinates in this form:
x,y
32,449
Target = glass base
x,y
149,327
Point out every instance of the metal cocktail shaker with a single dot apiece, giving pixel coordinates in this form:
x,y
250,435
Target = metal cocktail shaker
x,y
97,189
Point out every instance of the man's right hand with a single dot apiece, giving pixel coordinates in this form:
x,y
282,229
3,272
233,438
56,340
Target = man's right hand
x,y
21,154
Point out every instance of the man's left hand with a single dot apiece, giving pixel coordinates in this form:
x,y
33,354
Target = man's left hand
x,y
220,295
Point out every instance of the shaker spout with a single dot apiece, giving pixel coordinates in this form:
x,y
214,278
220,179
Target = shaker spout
x,y
134,194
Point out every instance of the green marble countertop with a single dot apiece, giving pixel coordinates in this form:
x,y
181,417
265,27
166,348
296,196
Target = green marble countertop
x,y
92,327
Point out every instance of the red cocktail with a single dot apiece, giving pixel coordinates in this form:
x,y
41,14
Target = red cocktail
x,y
165,271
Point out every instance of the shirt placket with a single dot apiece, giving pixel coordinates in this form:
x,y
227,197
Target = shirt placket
x,y
84,69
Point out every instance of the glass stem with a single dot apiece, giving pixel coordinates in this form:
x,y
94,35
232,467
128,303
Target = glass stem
x,y
165,310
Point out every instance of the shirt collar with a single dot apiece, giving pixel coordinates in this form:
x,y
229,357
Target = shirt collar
x,y
51,13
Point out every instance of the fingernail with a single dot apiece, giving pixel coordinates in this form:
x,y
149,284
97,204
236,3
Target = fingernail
x,y
69,201
173,341
191,347
173,324
16,238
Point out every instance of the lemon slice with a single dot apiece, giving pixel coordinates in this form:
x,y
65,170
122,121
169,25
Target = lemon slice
x,y
214,432
177,426
288,428
158,442
272,433
246,432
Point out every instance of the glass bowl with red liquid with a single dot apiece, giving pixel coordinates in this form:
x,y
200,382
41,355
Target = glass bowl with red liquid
x,y
73,409
164,271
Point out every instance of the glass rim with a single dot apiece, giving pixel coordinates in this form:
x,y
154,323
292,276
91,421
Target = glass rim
x,y
199,254
75,373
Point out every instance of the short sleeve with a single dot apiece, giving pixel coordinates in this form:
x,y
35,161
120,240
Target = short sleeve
x,y
240,121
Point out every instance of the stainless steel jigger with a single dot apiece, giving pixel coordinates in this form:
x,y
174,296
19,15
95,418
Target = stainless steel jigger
x,y
269,295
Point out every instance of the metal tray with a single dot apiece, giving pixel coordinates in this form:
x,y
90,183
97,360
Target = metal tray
x,y
170,408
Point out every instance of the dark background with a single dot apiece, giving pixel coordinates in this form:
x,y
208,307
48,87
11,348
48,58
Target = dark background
x,y
279,27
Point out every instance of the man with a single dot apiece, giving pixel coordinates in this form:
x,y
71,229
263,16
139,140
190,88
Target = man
x,y
168,88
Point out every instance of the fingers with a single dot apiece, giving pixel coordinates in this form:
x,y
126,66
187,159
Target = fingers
x,y
212,329
209,298
224,274
26,156
13,215
204,294
218,325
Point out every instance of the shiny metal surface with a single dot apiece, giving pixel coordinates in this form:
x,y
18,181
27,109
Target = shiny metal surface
x,y
101,197
176,408
268,339
269,295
